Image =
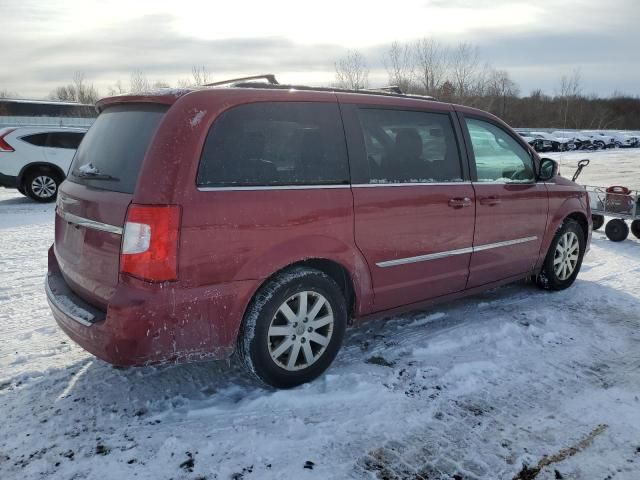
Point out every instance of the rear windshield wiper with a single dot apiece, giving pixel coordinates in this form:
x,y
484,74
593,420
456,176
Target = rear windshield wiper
x,y
94,175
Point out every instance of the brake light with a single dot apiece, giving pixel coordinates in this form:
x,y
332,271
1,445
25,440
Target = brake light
x,y
4,146
150,242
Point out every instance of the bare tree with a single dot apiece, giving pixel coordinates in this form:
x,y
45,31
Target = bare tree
x,y
116,89
138,82
77,91
499,88
6,93
465,64
570,90
431,64
200,75
352,71
400,65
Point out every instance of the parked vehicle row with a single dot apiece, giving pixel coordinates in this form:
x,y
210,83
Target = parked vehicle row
x,y
264,219
35,160
565,140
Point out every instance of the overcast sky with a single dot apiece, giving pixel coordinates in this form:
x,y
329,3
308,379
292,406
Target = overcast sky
x,y
45,42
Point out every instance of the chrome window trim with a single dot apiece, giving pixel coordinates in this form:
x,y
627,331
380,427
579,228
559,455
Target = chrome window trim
x,y
271,187
450,253
315,187
409,184
56,305
92,224
496,182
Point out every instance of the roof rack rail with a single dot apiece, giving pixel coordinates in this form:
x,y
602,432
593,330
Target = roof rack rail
x,y
272,83
269,77
389,89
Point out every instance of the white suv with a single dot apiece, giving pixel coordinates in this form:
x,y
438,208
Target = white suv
x,y
35,160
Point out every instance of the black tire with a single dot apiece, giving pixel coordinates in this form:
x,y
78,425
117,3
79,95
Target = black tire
x,y
254,342
598,221
42,185
617,230
548,278
635,228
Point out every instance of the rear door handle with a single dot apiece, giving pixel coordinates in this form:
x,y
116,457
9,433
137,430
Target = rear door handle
x,y
491,201
459,202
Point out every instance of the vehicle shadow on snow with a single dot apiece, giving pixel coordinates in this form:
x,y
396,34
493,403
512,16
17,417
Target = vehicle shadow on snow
x,y
90,399
142,391
17,200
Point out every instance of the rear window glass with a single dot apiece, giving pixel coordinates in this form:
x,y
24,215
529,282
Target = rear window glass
x,y
111,152
262,144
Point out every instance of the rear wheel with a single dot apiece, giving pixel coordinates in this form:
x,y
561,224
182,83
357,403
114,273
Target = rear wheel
x,y
635,228
564,258
41,185
293,328
598,221
617,230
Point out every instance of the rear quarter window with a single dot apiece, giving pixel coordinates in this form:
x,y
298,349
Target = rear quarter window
x,y
270,144
68,140
38,139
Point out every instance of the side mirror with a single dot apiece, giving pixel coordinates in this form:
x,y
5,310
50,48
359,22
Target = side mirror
x,y
548,169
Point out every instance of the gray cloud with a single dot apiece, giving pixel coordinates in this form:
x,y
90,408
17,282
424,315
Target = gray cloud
x,y
605,49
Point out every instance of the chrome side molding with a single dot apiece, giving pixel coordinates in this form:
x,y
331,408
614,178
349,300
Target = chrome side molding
x,y
451,253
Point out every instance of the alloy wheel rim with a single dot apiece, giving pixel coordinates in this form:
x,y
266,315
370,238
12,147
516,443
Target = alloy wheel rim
x,y
566,255
43,186
300,330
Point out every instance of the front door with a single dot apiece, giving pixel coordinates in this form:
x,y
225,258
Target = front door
x,y
511,208
414,206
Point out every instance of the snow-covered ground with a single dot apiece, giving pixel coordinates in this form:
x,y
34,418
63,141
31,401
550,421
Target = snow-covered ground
x,y
474,389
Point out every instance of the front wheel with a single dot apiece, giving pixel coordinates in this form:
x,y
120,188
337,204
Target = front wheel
x,y
293,328
635,228
564,258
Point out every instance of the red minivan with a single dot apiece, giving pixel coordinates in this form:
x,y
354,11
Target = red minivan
x,y
263,219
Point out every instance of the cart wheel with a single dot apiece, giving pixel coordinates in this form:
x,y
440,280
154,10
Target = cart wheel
x,y
635,228
598,221
617,230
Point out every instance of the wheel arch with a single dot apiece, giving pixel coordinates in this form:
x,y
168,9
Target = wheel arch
x,y
39,165
581,218
572,208
334,269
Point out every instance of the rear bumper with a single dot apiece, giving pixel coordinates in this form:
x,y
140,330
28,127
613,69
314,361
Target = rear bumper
x,y
8,181
151,324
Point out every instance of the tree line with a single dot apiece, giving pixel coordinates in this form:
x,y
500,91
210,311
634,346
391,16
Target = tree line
x,y
458,74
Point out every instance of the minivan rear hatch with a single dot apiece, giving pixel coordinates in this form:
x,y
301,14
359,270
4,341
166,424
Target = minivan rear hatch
x,y
92,203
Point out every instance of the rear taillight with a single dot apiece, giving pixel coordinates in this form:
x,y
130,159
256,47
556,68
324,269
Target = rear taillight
x,y
4,146
150,242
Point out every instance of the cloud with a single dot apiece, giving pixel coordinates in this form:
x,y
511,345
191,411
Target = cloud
x,y
49,43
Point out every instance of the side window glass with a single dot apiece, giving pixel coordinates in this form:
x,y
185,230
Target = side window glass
x,y
69,140
287,143
409,147
499,158
38,139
